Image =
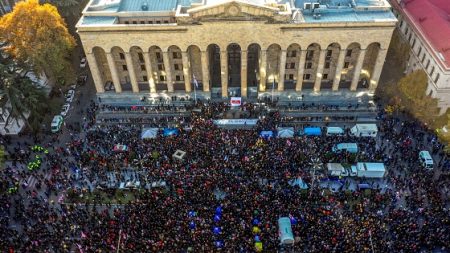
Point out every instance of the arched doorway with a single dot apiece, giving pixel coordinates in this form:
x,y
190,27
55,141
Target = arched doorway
x,y
118,55
291,72
195,66
273,66
369,63
311,64
330,64
348,70
103,67
253,55
176,68
137,56
214,70
158,68
234,69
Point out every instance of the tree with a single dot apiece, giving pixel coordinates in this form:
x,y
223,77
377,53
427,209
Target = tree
x,y
18,94
37,36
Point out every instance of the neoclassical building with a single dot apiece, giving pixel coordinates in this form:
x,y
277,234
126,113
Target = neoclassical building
x,y
234,47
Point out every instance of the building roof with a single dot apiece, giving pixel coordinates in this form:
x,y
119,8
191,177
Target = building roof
x,y
432,19
94,20
152,5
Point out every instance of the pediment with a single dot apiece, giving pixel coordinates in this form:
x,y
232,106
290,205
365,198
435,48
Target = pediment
x,y
233,10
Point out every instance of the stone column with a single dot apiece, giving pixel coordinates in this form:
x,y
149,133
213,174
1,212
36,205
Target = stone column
x,y
224,72
114,74
96,75
262,70
357,71
148,67
205,71
319,71
130,67
301,69
168,71
244,57
338,72
186,72
282,70
375,77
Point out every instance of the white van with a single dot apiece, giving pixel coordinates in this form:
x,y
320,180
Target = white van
x,y
335,131
364,130
426,160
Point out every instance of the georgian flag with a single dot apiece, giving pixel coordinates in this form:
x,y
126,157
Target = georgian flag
x,y
195,81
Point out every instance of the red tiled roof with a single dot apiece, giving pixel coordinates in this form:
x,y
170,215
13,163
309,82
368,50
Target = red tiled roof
x,y
432,18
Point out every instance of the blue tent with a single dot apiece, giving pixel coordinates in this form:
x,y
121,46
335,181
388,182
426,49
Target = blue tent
x,y
266,134
170,131
312,131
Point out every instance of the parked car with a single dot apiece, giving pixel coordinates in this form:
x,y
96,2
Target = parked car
x,y
70,95
83,62
81,80
56,123
65,109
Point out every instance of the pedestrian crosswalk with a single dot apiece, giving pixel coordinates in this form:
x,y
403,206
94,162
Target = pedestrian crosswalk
x,y
31,181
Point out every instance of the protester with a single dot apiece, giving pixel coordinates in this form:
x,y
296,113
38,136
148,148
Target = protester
x,y
225,195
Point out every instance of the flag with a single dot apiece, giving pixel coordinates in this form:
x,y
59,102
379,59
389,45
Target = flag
x,y
195,81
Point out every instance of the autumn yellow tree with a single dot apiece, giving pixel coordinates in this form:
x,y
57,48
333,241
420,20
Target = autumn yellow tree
x,y
36,35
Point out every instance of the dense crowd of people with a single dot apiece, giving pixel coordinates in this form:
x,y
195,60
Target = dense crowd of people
x,y
252,175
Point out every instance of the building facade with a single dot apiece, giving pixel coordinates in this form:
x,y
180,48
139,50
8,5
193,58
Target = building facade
x,y
221,48
423,25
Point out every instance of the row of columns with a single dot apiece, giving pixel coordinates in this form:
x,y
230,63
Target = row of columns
x,y
224,71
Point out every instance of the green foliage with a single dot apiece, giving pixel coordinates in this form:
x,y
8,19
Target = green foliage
x,y
2,156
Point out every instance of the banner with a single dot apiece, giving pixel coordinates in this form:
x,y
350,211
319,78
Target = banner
x,y
235,101
250,122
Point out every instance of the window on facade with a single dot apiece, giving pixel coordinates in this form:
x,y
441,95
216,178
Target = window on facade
x,y
414,43
124,67
428,64
420,51
145,78
292,65
409,37
406,31
293,54
176,55
160,67
327,65
432,71
134,22
286,66
158,55
141,57
436,79
306,76
176,67
310,54
166,22
158,22
308,65
162,78
329,53
142,22
291,76
348,53
423,58
346,64
177,78
401,24
127,23
150,22
143,67
325,76
122,56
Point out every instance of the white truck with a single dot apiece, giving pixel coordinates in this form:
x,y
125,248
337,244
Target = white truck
x,y
336,170
364,130
370,170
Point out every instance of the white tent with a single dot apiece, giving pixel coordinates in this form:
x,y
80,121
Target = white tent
x,y
285,132
149,133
